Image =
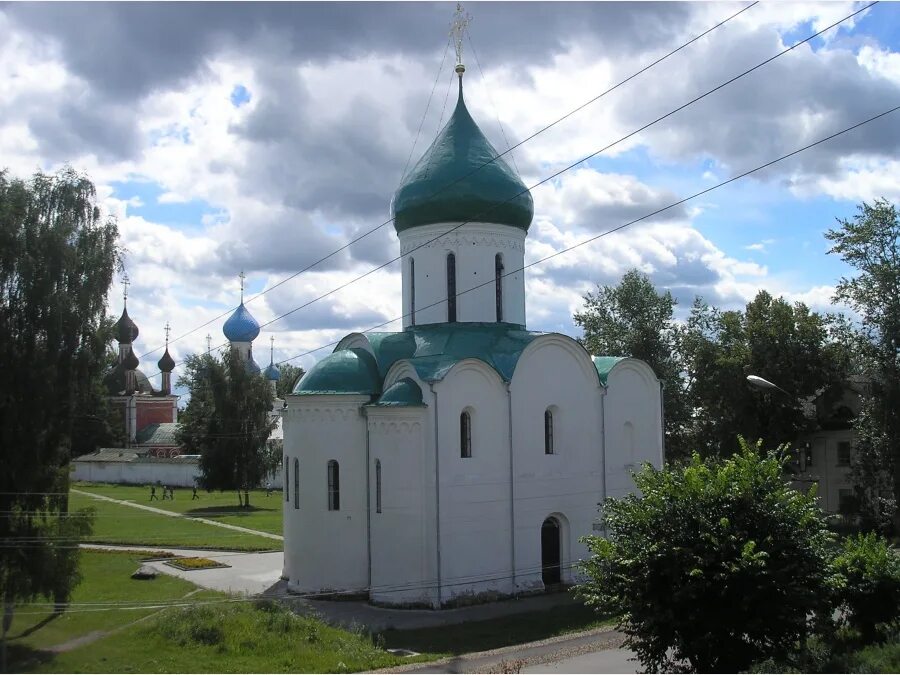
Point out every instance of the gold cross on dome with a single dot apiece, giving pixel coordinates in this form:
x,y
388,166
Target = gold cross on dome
x,y
125,283
168,330
242,277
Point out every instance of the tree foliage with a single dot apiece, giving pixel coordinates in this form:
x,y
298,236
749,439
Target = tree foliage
x,y
290,374
717,564
782,342
633,319
57,260
227,422
870,243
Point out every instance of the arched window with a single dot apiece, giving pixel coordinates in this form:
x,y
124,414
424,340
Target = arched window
x,y
334,486
498,284
412,291
285,476
451,287
377,486
548,432
465,435
296,483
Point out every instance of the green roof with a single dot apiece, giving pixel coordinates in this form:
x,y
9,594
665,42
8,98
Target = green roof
x,y
456,180
604,364
432,350
403,393
165,433
349,371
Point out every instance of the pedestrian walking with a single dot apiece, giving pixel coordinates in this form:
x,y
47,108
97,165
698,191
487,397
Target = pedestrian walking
x,y
268,488
194,496
153,493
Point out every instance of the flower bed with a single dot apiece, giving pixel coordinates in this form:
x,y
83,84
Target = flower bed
x,y
188,564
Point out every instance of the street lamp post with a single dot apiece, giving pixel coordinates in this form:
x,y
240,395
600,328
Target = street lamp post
x,y
804,455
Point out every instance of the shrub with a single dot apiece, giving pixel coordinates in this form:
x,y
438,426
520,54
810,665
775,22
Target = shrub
x,y
869,590
194,626
719,564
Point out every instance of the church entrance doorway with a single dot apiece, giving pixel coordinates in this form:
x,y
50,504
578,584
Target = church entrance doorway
x,y
550,552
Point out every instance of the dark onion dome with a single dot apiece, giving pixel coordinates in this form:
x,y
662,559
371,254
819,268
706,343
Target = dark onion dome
x,y
131,361
166,364
241,326
272,373
452,182
126,329
252,366
114,381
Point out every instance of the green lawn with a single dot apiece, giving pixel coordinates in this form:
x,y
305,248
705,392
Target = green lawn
x,y
477,636
218,634
265,513
120,524
106,579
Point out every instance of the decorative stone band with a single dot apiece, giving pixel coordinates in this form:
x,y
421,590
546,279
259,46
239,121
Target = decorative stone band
x,y
495,237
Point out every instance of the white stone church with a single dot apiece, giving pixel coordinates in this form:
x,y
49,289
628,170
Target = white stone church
x,y
463,457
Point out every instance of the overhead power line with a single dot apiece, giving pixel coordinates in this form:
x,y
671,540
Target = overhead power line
x,y
495,206
624,225
479,168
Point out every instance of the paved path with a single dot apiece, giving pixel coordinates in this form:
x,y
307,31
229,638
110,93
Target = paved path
x,y
377,619
247,573
163,512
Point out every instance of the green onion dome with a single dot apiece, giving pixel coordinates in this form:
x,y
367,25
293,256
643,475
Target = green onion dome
x,y
348,371
453,181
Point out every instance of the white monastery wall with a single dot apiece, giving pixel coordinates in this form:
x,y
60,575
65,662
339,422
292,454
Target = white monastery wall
x,y
182,474
325,550
633,424
555,373
475,246
474,491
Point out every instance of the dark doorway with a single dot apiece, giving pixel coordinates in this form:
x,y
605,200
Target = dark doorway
x,y
550,552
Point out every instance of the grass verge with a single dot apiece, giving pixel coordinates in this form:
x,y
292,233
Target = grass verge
x,y
240,637
119,524
265,513
478,636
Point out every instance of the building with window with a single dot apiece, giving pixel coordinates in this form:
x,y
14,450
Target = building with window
x,y
463,456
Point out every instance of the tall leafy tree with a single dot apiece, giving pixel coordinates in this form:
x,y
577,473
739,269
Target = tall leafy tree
x,y
57,260
870,243
227,422
783,343
633,319
290,374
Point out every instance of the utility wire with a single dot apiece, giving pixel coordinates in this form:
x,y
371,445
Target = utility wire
x,y
556,174
448,186
624,225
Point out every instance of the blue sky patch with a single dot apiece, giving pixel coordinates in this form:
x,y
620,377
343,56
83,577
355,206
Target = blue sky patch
x,y
184,215
239,95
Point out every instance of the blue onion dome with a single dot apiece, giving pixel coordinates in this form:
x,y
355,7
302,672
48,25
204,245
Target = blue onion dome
x,y
126,330
131,362
452,182
272,373
241,326
166,364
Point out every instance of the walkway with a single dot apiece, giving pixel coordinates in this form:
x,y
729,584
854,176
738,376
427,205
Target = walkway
x,y
163,512
247,573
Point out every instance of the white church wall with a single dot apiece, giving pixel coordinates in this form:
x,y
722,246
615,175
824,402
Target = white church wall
x,y
403,543
474,491
475,246
324,549
633,424
555,372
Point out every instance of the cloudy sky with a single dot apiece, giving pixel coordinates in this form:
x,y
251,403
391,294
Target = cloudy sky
x,y
263,136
